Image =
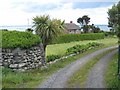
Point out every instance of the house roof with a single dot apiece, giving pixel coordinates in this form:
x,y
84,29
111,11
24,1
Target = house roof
x,y
71,26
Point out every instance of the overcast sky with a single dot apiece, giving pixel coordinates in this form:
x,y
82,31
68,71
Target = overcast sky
x,y
18,12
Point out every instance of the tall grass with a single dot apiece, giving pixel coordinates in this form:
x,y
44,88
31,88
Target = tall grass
x,y
14,78
111,77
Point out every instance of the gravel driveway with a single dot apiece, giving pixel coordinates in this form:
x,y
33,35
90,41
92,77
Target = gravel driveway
x,y
96,75
59,78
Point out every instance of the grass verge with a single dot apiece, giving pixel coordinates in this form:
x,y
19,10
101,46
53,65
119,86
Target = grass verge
x,y
111,77
79,78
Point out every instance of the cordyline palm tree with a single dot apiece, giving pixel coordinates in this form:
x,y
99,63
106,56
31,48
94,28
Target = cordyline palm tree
x,y
48,29
80,21
86,19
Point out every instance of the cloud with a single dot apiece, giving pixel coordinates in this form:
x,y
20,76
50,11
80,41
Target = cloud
x,y
33,7
17,12
97,15
36,7
91,0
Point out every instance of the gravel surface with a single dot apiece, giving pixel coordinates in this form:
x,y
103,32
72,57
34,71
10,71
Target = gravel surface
x,y
96,75
59,78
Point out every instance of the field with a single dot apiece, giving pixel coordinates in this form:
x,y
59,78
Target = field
x,y
59,49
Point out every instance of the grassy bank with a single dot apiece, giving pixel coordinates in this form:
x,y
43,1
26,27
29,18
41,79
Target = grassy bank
x,y
59,49
79,78
111,77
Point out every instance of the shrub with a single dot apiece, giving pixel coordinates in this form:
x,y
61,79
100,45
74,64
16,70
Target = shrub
x,y
77,37
52,57
81,48
109,33
93,44
76,49
13,39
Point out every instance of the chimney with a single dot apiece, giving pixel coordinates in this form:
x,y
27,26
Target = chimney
x,y
71,21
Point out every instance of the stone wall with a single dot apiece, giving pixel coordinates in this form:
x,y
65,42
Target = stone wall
x,y
23,59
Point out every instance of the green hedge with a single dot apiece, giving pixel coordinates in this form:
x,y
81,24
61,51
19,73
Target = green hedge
x,y
13,39
77,37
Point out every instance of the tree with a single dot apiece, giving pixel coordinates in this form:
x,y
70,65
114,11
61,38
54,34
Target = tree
x,y
80,21
85,28
94,29
112,17
114,22
29,30
47,28
86,19
83,21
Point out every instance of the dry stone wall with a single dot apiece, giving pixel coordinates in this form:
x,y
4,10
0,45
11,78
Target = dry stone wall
x,y
23,59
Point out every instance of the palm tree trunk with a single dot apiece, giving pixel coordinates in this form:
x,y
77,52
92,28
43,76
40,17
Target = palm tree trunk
x,y
44,48
44,55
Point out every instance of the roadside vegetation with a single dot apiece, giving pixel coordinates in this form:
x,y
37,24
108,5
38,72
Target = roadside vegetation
x,y
111,76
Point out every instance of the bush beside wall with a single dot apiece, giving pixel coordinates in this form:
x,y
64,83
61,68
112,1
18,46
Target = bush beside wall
x,y
14,39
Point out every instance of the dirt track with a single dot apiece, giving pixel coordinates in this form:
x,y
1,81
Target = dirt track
x,y
96,75
59,78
